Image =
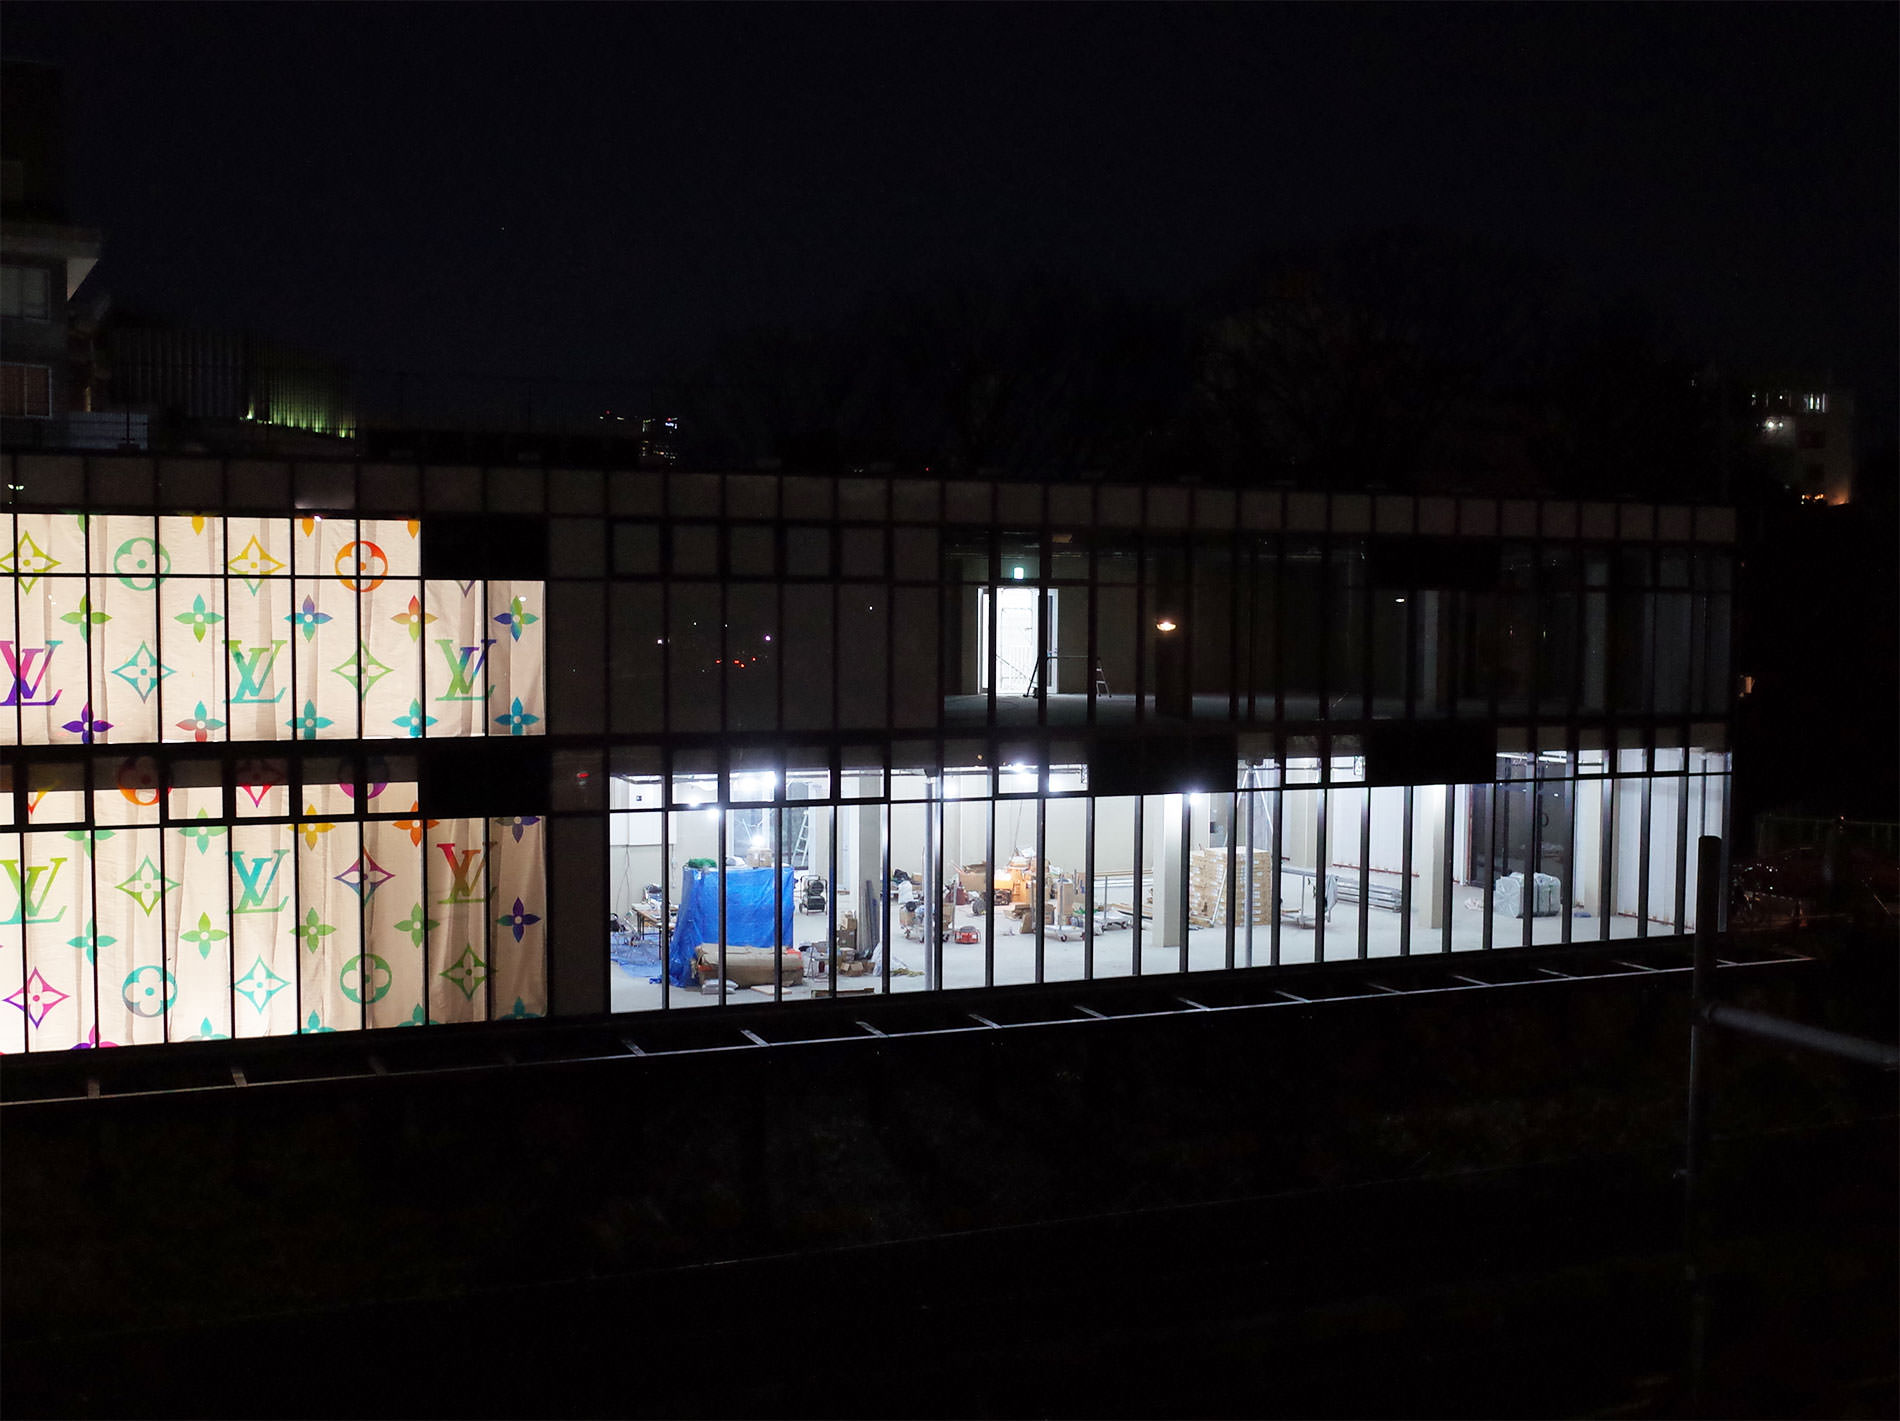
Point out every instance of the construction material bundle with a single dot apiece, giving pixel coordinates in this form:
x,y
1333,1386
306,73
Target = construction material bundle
x,y
1207,886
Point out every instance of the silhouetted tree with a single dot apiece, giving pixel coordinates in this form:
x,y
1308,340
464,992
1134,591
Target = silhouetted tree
x,y
1354,363
1040,377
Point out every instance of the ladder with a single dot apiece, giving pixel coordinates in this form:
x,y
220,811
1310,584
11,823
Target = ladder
x,y
802,847
1036,677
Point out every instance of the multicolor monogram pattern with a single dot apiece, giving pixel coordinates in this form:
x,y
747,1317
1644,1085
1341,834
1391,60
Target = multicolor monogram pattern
x,y
132,912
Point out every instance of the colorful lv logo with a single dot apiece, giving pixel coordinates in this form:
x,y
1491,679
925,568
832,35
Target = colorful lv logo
x,y
465,665
258,876
466,869
30,892
253,669
27,684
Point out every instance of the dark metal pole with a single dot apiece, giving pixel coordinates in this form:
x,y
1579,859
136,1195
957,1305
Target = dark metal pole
x,y
1707,891
1708,895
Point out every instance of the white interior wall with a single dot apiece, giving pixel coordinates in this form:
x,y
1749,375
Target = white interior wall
x,y
1626,884
1665,805
1114,837
907,837
1072,635
1300,833
634,857
1388,828
1015,828
1586,865
1066,834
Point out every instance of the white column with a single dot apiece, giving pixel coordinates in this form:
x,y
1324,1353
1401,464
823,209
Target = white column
x,y
1170,875
1428,855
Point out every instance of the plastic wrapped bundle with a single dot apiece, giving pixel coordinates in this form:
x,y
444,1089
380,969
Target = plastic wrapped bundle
x,y
1507,896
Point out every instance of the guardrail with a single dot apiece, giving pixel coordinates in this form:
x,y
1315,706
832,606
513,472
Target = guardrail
x,y
1706,1015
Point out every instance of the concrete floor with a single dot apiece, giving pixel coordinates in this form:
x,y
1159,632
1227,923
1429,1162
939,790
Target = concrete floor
x,y
1015,956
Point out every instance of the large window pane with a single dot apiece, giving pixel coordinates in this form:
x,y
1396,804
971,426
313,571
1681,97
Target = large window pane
x,y
1253,892
808,656
1210,628
693,849
1113,889
863,655
1558,606
1065,934
694,653
1345,648
1264,629
913,918
1302,594
1021,888
1386,875
1116,640
639,635
1434,837
1347,819
1307,892
1629,820
752,656
968,897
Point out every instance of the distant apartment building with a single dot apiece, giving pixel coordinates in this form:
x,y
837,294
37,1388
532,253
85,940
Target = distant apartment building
x,y
1812,427
194,377
44,257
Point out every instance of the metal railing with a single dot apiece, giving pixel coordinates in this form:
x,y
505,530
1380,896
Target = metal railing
x,y
1777,833
1706,1015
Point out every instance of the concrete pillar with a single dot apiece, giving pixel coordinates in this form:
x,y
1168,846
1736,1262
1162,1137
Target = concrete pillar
x,y
1170,874
869,876
931,914
1428,855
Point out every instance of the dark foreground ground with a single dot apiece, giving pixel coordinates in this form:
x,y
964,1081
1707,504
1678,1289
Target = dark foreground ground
x,y
1455,1203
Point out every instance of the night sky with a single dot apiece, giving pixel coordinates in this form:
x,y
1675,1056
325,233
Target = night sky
x,y
599,190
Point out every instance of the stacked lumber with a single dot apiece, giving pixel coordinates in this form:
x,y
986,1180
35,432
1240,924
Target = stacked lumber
x,y
1207,886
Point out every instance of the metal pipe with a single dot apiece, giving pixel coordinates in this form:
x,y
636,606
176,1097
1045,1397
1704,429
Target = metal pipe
x,y
1708,892
1794,1033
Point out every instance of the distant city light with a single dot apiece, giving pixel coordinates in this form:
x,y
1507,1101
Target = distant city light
x,y
1166,624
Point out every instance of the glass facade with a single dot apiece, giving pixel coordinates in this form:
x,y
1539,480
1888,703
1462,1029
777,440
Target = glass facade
x,y
512,742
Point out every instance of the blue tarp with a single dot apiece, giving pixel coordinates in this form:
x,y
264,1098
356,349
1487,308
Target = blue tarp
x,y
750,895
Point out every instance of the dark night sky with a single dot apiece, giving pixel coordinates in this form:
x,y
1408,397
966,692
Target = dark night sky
x,y
599,189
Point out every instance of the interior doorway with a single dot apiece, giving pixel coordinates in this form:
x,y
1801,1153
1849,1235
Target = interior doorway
x,y
1020,616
